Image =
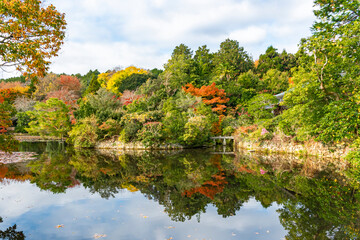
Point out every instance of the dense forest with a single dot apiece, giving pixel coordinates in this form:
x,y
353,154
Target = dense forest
x,y
311,95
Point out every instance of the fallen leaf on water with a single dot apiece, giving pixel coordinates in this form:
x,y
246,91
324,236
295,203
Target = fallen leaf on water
x,y
170,238
189,236
257,233
145,216
59,226
96,235
170,227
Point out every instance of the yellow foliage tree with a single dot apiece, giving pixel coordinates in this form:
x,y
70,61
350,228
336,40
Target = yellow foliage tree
x,y
112,80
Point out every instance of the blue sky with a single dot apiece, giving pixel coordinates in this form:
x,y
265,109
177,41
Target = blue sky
x,y
103,34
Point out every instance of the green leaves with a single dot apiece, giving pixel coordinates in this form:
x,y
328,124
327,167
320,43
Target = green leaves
x,y
7,142
84,133
51,119
231,60
261,105
340,123
321,101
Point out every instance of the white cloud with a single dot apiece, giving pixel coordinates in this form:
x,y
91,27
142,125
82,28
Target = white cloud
x,y
81,57
251,34
104,34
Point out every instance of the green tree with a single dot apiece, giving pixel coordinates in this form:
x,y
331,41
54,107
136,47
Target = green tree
x,y
246,86
94,85
204,66
86,79
261,105
104,105
231,60
328,71
132,82
197,131
273,60
84,133
51,118
179,69
275,81
30,34
7,142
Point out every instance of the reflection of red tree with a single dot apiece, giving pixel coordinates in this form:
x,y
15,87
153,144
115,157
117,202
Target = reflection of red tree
x,y
3,170
211,187
5,173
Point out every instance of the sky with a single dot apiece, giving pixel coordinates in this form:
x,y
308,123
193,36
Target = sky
x,y
104,34
127,215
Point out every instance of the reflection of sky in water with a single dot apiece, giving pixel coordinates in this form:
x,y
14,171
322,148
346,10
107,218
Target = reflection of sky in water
x,y
127,216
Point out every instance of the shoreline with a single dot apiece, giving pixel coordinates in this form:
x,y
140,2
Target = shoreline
x,y
287,147
29,138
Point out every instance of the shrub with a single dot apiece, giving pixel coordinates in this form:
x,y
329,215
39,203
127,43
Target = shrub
x,y
261,134
151,134
174,126
260,106
103,105
130,130
229,124
109,128
23,120
228,131
50,118
84,133
197,131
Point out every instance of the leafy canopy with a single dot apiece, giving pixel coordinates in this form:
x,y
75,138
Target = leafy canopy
x,y
29,35
51,118
112,80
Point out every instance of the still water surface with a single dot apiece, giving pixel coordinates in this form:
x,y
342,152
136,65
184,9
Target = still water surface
x,y
83,194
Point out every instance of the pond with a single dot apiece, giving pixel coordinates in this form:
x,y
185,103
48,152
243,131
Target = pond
x,y
85,194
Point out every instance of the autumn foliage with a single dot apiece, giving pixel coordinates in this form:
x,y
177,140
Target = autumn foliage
x,y
12,93
69,83
210,95
211,187
30,34
68,97
128,97
9,85
112,80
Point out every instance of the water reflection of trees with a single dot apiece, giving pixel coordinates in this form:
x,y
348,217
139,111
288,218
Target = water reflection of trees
x,y
316,202
11,233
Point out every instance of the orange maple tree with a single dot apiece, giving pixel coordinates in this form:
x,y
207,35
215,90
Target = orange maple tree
x,y
68,82
210,95
213,96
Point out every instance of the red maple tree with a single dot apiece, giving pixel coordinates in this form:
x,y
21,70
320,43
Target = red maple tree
x,y
210,95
